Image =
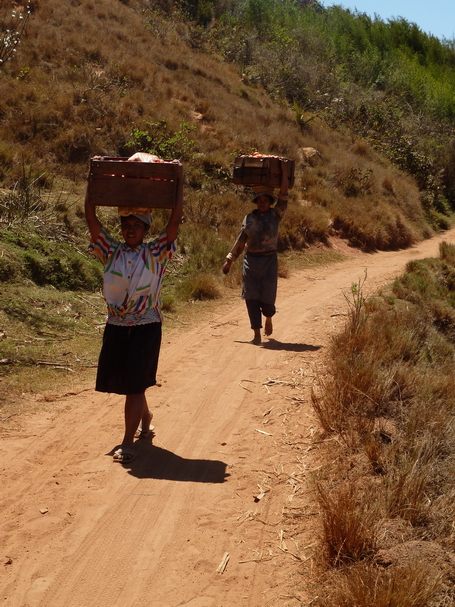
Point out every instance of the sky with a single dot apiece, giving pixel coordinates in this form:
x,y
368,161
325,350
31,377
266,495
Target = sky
x,y
436,17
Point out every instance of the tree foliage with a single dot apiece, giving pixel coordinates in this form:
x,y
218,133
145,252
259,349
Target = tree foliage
x,y
353,71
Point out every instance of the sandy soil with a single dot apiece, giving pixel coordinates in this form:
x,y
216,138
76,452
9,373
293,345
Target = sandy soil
x,y
222,482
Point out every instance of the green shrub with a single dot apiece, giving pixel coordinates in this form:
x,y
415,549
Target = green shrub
x,y
156,139
29,256
199,287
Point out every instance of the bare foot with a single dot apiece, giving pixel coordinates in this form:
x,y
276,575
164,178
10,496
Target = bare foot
x,y
257,337
268,327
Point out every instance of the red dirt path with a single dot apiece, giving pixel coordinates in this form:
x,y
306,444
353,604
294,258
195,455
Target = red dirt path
x,y
226,474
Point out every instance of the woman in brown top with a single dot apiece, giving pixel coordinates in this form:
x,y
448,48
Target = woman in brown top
x,y
259,236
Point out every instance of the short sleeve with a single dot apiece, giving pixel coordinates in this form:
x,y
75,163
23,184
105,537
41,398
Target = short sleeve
x,y
103,247
158,248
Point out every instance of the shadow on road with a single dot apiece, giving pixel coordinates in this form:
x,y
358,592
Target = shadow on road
x,y
155,462
273,344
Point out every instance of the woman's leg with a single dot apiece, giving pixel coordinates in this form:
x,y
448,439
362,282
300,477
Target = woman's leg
x,y
254,312
136,409
146,421
268,310
268,326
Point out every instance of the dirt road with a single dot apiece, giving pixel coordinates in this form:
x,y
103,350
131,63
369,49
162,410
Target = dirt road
x,y
219,487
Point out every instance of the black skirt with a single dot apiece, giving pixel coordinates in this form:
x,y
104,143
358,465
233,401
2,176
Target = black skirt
x,y
129,358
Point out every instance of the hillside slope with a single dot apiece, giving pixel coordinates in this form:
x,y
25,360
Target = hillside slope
x,y
110,78
86,73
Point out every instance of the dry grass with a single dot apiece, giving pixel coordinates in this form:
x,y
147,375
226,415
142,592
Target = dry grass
x,y
368,586
59,109
198,286
350,523
54,349
389,399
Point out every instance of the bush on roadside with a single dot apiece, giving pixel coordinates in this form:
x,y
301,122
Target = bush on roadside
x,y
389,399
28,256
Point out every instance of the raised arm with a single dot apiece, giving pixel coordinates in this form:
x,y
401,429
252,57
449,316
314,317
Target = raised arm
x,y
172,227
93,223
284,177
283,195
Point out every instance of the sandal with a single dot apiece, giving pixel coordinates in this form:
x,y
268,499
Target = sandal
x,y
145,433
124,457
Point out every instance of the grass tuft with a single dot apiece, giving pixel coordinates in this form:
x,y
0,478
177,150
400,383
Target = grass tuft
x,y
369,586
198,287
350,524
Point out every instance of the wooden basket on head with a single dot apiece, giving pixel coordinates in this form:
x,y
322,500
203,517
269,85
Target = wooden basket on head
x,y
261,170
115,182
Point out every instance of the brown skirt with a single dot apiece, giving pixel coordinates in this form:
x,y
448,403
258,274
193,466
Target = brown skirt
x,y
129,358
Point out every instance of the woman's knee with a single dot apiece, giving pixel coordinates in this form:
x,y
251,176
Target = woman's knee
x,y
268,310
